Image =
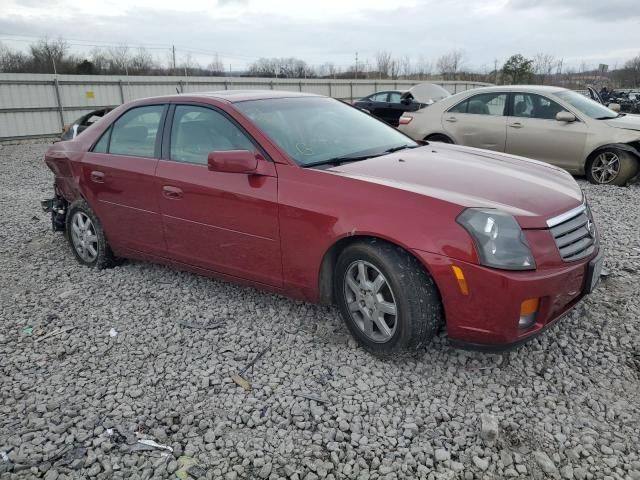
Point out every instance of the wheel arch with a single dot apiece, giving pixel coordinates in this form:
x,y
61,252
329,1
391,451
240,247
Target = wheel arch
x,y
330,257
633,148
439,134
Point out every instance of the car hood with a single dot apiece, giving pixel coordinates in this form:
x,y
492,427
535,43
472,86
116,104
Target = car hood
x,y
630,122
532,191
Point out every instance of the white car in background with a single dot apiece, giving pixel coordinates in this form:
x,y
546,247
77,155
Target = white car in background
x,y
552,124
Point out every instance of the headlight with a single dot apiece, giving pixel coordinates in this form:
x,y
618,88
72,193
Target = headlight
x,y
498,238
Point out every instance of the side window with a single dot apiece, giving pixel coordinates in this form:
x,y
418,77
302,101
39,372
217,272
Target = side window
x,y
378,97
134,133
530,105
103,143
196,131
394,97
486,104
460,108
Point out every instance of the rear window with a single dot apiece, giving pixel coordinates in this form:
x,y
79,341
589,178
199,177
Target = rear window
x,y
133,134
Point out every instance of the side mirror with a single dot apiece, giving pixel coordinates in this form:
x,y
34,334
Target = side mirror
x,y
615,107
565,117
233,161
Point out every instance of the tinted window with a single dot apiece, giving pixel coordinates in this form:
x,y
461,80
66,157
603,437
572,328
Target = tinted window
x,y
196,131
529,105
103,143
379,97
394,97
483,104
135,132
316,129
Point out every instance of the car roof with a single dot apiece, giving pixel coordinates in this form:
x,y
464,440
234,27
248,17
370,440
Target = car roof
x,y
245,95
518,88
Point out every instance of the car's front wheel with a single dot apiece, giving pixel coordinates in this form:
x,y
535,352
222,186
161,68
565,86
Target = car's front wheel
x,y
611,167
388,301
86,236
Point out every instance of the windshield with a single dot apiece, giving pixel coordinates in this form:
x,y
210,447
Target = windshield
x,y
586,105
318,129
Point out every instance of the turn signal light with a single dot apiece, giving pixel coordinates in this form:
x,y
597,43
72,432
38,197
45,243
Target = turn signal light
x,y
528,312
462,282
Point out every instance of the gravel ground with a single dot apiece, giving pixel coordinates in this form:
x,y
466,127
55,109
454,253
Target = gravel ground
x,y
92,362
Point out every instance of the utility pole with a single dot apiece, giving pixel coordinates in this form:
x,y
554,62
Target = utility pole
x,y
356,72
173,50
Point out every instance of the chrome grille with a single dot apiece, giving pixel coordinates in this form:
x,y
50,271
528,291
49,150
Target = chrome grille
x,y
574,233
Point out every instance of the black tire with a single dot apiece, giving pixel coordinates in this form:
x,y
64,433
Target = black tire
x,y
419,313
438,138
628,168
104,256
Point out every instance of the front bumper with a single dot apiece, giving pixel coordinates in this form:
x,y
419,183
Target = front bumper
x,y
487,318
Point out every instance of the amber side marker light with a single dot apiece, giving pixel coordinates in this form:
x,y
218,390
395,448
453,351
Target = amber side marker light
x,y
462,282
528,312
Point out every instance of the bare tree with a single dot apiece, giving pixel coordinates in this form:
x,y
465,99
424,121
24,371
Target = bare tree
x,y
632,72
450,64
424,69
543,66
12,61
119,58
47,55
383,63
215,67
141,63
406,68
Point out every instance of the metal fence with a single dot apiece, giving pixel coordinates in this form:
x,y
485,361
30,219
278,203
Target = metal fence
x,y
37,105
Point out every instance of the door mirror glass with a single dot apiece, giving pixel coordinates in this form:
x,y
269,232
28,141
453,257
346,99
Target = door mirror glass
x,y
233,161
615,107
565,116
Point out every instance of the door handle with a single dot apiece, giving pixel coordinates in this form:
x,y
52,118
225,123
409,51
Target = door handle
x,y
516,125
451,119
97,177
172,193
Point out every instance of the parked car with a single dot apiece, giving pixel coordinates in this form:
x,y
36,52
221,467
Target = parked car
x,y
387,106
390,105
551,124
306,196
81,124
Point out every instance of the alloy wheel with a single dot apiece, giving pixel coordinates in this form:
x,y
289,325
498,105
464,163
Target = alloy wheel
x,y
370,301
605,167
83,235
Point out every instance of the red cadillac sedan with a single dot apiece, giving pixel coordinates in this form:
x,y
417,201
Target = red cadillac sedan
x,y
307,196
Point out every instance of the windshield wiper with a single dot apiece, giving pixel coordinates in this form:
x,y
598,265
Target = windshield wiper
x,y
340,160
401,147
347,158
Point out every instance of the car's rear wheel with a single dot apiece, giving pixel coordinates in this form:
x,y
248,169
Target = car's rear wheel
x,y
611,167
388,301
86,236
438,138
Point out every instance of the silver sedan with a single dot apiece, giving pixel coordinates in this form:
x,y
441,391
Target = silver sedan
x,y
552,124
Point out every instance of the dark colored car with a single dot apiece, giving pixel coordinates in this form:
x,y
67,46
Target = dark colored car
x,y
388,106
81,124
306,196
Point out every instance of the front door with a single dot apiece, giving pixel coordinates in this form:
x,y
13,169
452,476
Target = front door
x,y
225,222
534,132
118,178
478,121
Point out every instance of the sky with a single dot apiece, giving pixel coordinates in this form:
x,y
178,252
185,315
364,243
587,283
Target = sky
x,y
319,31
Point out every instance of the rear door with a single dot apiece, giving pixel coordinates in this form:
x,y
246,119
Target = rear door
x,y
118,178
479,121
534,132
225,222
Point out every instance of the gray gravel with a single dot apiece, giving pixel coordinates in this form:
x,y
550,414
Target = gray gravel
x,y
75,404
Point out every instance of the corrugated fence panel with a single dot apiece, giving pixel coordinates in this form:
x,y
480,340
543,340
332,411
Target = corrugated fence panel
x,y
29,102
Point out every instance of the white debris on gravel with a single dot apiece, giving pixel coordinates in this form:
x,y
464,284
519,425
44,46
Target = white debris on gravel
x,y
566,405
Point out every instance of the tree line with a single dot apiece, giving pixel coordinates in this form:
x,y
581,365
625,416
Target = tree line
x,y
54,56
